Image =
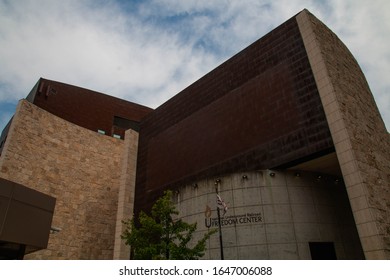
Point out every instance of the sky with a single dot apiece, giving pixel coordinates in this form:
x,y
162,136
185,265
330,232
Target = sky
x,y
148,51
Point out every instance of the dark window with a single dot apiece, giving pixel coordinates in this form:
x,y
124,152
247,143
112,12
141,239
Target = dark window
x,y
125,123
322,251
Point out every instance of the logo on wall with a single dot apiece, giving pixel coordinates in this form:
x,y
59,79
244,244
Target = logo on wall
x,y
247,218
207,213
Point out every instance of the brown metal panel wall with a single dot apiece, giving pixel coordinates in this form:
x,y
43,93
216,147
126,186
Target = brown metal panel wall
x,y
25,215
259,109
86,108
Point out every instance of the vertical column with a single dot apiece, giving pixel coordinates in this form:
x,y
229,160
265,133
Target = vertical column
x,y
358,189
126,193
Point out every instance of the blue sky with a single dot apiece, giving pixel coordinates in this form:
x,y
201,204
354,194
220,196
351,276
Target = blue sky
x,y
148,51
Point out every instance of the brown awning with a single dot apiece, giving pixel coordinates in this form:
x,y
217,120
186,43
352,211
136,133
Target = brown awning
x,y
25,219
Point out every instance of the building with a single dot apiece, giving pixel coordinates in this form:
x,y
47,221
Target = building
x,y
70,143
287,132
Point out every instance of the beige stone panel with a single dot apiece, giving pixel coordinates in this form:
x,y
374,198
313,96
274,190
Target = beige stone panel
x,y
126,193
376,255
372,243
367,229
352,179
355,191
363,216
348,164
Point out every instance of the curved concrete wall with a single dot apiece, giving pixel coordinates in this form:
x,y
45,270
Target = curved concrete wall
x,y
272,217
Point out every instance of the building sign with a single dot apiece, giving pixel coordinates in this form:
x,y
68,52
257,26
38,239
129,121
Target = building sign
x,y
247,218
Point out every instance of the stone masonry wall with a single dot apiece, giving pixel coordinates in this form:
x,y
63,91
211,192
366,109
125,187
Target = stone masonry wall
x,y
79,167
358,132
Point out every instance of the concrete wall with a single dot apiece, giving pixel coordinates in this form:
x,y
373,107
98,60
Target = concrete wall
x,y
79,167
361,140
272,217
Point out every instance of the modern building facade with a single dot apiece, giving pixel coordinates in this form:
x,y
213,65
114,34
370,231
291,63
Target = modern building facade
x,y
287,132
69,143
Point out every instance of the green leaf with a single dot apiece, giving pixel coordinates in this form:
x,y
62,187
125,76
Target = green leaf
x,y
161,236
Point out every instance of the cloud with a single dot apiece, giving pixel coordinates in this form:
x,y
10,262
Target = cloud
x,y
99,48
147,51
364,28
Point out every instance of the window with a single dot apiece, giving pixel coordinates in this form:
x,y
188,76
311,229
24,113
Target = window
x,y
125,123
117,136
101,131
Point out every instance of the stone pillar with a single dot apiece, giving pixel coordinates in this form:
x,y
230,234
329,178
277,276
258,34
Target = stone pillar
x,y
126,193
358,132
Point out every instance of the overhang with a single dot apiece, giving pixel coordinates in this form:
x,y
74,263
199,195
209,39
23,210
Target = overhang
x,y
25,219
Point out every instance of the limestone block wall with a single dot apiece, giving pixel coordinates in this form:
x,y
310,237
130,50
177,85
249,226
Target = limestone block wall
x,y
79,167
361,140
272,217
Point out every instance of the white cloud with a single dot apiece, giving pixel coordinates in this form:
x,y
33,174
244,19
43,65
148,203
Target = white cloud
x,y
149,51
364,27
99,51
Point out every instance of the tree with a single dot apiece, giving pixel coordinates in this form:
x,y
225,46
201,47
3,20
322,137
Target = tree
x,y
161,236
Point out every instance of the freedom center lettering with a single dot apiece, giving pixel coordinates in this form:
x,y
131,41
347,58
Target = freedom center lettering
x,y
248,218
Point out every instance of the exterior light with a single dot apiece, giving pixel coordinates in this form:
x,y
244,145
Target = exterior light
x,y
55,230
297,174
217,181
244,177
272,174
